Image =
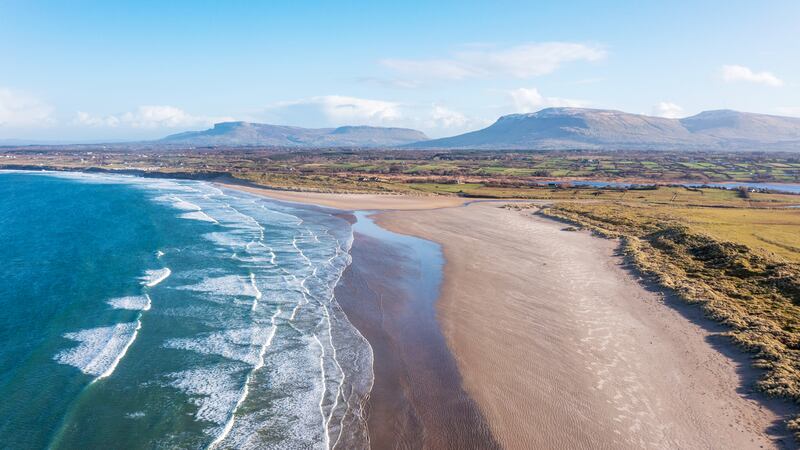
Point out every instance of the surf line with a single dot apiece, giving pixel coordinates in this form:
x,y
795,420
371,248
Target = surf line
x,y
246,389
110,370
151,279
121,354
258,294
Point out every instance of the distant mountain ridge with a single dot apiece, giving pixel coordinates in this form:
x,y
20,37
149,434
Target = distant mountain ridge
x,y
583,128
236,134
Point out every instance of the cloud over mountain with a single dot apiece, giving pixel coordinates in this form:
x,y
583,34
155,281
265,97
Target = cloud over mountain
x,y
530,100
337,109
668,109
233,134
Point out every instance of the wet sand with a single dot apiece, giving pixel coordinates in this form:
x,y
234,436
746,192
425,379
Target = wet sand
x,y
417,400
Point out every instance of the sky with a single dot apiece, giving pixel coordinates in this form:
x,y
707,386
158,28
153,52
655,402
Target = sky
x,y
114,71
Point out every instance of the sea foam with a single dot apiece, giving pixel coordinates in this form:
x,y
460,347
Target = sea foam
x,y
228,285
238,344
184,205
198,215
153,277
214,389
99,349
136,303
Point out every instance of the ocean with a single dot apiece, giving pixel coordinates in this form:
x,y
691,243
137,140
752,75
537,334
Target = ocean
x,y
153,313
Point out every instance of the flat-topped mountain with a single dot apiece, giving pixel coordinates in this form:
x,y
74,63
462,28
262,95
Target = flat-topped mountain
x,y
237,134
581,128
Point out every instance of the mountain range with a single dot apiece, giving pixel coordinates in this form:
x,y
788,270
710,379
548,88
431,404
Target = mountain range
x,y
548,129
258,134
581,128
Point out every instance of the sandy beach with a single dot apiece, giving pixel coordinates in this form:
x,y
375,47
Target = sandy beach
x,y
351,201
562,346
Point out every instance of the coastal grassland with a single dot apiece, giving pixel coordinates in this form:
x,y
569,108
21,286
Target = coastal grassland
x,y
674,195
318,182
414,170
739,263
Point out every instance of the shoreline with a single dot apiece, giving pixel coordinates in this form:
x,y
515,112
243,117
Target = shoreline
x,y
352,202
389,293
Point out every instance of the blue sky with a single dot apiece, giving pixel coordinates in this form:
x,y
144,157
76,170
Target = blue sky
x,y
84,70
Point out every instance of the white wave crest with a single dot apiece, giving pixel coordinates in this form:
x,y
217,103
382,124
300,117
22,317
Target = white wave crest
x,y
198,215
228,285
186,206
100,349
151,278
178,203
226,429
135,303
241,345
214,389
256,291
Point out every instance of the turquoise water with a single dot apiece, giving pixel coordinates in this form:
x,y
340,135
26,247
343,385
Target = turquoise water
x,y
143,313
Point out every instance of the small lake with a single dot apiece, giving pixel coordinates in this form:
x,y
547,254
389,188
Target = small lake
x,y
780,187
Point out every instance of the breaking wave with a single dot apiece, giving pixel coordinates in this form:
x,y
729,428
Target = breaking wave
x,y
137,303
153,277
99,349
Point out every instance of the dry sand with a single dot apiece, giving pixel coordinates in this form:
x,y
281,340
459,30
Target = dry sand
x,y
561,346
353,201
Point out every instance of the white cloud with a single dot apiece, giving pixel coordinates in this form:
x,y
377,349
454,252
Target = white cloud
x,y
334,110
338,110
522,61
148,117
431,68
446,118
348,109
531,100
668,109
84,118
789,111
164,117
735,73
397,83
18,109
